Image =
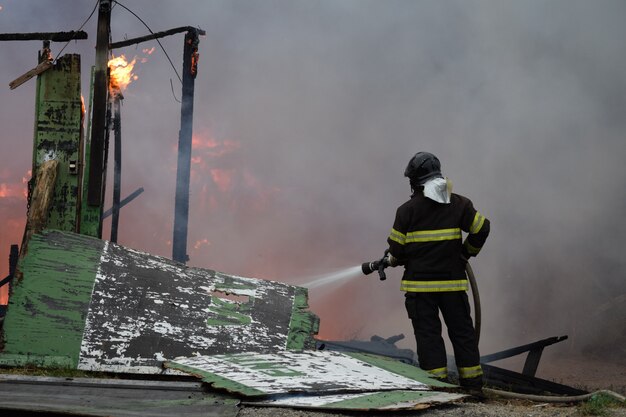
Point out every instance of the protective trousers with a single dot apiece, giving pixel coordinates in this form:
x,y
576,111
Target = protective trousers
x,y
423,309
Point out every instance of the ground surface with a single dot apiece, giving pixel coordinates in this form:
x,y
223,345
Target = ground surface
x,y
587,373
490,408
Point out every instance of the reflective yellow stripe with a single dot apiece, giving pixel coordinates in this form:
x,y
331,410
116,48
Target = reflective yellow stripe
x,y
438,372
472,250
434,286
397,236
433,235
470,372
477,224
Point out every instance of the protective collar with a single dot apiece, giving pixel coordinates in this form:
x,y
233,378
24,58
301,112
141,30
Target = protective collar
x,y
438,189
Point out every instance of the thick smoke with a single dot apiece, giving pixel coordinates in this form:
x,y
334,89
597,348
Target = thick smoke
x,y
306,114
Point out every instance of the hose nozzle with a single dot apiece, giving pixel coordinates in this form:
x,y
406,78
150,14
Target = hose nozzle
x,y
378,265
369,267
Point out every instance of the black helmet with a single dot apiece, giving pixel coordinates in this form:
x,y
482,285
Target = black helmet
x,y
422,167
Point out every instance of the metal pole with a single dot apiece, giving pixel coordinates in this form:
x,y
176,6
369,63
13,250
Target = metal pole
x,y
183,170
117,163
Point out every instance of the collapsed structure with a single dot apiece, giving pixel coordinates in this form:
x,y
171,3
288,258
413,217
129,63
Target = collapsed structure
x,y
82,303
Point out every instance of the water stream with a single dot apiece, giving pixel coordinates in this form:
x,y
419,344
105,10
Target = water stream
x,y
333,277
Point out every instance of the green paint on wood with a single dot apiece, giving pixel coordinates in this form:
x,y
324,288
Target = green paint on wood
x,y
303,324
263,366
58,128
216,381
90,216
383,399
229,313
400,368
46,315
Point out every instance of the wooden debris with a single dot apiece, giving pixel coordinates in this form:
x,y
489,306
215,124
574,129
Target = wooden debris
x,y
43,67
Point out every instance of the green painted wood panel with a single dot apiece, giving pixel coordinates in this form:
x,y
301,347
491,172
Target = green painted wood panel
x,y
46,314
58,122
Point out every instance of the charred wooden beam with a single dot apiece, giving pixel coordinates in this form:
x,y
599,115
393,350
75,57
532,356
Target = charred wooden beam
x,y
12,266
183,168
98,126
156,35
117,166
44,36
125,201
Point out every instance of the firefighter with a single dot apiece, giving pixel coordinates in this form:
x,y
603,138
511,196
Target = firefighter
x,y
426,239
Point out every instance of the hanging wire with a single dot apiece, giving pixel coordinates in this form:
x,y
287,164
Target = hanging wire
x,y
159,42
173,94
79,29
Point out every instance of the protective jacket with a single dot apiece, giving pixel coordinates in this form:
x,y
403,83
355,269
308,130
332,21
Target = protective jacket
x,y
426,238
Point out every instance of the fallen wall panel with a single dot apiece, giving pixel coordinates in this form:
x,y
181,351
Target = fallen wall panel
x,y
94,305
312,372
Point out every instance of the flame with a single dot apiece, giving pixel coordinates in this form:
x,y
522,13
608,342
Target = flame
x,y
121,74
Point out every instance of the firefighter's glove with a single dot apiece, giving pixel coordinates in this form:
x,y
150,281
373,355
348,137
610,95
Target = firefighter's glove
x,y
389,260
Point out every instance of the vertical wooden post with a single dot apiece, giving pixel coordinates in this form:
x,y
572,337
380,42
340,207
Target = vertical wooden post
x,y
117,166
183,169
95,192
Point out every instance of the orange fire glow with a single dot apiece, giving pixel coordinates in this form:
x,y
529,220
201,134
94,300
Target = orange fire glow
x,y
200,243
14,190
147,51
121,74
212,147
223,178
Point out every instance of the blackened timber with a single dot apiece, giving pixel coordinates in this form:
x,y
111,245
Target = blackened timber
x,y
525,384
125,201
156,35
13,256
117,164
95,189
44,36
522,349
183,169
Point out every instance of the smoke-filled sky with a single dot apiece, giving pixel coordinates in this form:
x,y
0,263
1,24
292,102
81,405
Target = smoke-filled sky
x,y
306,114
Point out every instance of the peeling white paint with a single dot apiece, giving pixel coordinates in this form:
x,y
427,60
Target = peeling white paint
x,y
141,300
313,371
